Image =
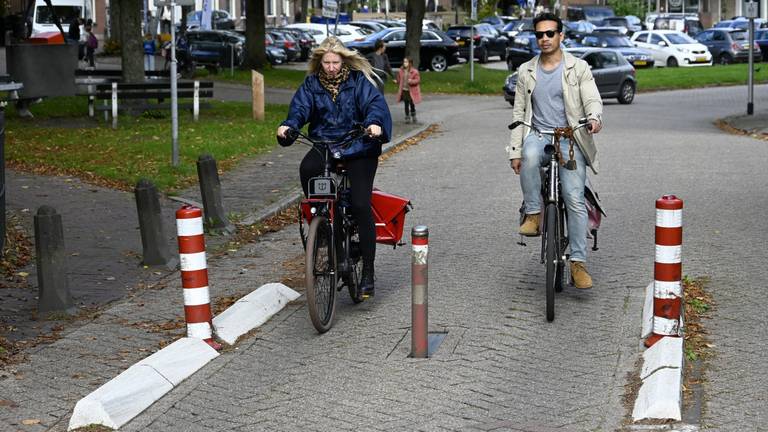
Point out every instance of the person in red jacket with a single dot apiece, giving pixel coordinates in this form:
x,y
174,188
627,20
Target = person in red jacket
x,y
409,91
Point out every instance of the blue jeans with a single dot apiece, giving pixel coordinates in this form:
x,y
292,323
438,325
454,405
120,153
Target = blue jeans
x,y
572,189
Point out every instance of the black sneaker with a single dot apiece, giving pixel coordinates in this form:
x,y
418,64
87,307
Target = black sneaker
x,y
366,281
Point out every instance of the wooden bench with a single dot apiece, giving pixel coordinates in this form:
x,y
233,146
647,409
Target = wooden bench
x,y
87,79
151,90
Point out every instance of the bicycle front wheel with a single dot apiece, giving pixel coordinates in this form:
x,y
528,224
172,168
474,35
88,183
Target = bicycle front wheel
x,y
320,274
551,258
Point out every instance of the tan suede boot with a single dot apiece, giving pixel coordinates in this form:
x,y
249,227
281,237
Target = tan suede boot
x,y
530,226
579,276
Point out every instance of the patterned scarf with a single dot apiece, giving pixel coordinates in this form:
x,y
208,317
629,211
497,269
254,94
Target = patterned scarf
x,y
332,84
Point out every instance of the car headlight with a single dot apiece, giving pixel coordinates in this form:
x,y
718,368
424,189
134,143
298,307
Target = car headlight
x,y
512,80
521,41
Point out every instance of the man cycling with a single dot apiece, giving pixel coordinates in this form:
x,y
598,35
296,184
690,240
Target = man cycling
x,y
554,90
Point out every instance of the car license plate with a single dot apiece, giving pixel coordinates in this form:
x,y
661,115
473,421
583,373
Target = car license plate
x,y
460,42
641,63
701,58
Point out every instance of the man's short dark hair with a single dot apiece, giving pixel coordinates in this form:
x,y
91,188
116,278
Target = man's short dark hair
x,y
548,16
379,44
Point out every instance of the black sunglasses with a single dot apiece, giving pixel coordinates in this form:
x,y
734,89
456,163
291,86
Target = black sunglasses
x,y
550,34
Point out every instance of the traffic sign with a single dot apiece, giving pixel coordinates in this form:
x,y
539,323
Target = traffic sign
x,y
751,9
474,10
330,8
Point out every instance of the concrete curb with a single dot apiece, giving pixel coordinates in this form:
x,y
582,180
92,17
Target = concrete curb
x,y
138,387
660,396
252,311
294,196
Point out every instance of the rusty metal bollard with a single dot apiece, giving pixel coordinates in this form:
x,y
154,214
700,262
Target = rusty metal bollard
x,y
419,295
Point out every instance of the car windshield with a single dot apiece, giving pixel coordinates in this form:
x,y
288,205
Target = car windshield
x,y
679,39
597,13
739,35
65,13
512,25
617,41
614,22
460,32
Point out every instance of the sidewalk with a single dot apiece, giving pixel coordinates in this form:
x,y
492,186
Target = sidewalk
x,y
756,124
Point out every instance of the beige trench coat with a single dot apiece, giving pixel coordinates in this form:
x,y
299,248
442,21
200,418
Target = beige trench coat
x,y
580,96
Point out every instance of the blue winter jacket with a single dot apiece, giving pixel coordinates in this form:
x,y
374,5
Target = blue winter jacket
x,y
358,102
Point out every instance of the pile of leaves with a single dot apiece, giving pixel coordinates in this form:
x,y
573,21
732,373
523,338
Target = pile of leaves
x,y
697,347
429,131
17,250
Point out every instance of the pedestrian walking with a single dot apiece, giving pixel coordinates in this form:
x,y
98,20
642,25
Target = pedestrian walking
x,y
555,90
380,62
409,88
150,47
339,92
91,43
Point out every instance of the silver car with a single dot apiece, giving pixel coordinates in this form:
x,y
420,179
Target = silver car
x,y
614,76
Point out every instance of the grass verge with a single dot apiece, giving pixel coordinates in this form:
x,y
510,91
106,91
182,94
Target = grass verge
x,y
60,140
697,348
489,81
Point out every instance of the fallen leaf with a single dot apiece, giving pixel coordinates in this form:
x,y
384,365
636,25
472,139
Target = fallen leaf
x,y
23,274
30,421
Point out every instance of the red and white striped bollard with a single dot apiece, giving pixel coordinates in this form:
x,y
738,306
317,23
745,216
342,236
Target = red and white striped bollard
x,y
667,270
419,294
194,274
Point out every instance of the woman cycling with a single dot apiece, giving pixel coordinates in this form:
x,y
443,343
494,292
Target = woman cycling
x,y
338,93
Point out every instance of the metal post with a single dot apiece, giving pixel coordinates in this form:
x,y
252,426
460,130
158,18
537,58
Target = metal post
x,y
419,293
751,80
2,177
471,52
174,93
210,189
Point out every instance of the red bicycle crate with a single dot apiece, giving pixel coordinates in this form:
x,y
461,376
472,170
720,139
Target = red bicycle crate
x,y
389,216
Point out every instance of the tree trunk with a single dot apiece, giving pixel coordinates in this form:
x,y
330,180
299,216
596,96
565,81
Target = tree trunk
x,y
304,10
131,51
114,20
414,15
254,35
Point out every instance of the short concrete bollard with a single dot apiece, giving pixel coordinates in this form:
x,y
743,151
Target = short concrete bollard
x,y
51,261
419,283
210,188
156,251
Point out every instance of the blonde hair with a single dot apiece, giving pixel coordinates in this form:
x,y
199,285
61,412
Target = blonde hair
x,y
349,57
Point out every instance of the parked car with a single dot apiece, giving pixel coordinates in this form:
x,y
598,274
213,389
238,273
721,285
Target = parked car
x,y
345,33
498,22
275,55
673,48
728,45
593,14
637,57
523,48
488,42
437,52
741,23
576,30
284,39
631,23
373,26
216,48
614,76
516,26
220,20
761,39
305,40
688,24
611,30
390,23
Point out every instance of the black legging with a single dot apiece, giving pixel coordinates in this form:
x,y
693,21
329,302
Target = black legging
x,y
361,173
410,108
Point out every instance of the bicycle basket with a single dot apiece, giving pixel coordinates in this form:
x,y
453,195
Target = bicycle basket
x,y
389,216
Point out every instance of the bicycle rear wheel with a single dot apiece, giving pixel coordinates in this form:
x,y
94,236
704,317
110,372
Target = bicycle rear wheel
x,y
551,258
356,269
320,274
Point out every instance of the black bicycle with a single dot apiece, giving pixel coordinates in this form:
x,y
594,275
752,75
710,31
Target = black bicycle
x,y
331,242
554,241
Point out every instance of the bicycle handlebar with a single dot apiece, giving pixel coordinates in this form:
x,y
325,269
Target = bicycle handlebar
x,y
293,134
584,122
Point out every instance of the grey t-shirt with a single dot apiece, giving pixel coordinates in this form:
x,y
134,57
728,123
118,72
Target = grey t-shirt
x,y
547,99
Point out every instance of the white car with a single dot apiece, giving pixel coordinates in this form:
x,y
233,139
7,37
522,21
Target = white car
x,y
345,33
673,48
